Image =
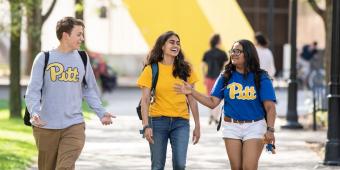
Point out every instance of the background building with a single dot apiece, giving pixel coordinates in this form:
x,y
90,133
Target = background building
x,y
124,30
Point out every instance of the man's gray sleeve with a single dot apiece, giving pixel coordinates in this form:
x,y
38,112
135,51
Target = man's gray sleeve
x,y
33,92
91,93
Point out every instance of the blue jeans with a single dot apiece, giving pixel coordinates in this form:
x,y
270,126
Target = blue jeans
x,y
175,129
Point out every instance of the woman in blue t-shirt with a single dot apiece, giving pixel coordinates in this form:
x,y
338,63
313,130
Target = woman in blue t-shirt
x,y
249,97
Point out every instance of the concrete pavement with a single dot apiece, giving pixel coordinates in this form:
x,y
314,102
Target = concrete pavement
x,y
120,147
130,151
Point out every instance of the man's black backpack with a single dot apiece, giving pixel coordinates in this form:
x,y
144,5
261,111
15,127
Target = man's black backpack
x,y
154,68
83,56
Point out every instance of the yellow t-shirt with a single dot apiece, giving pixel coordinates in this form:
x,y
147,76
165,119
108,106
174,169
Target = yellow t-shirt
x,y
167,101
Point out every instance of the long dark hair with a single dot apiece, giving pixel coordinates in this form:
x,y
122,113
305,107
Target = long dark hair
x,y
251,64
181,68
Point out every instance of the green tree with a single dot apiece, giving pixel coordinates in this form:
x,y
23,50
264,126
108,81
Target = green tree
x,y
15,96
326,15
79,13
79,4
35,21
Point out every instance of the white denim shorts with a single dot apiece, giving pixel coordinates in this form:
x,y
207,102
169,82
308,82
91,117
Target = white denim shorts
x,y
244,131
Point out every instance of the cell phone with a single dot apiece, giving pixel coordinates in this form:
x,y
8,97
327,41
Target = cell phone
x,y
271,148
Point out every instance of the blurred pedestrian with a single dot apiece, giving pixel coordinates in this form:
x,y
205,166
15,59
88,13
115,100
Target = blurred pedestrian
x,y
212,65
309,50
249,97
306,56
55,100
265,54
167,116
106,75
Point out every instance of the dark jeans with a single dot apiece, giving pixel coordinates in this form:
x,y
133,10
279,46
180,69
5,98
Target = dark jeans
x,y
175,129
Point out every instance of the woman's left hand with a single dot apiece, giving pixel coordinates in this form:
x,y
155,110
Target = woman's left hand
x,y
184,88
196,134
269,137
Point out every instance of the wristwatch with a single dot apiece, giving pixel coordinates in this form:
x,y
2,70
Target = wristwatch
x,y
146,126
270,129
143,130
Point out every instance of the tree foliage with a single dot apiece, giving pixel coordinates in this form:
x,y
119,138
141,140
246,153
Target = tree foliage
x,y
79,9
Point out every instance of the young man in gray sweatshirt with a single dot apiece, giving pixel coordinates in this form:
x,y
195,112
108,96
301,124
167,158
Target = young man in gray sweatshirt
x,y
54,101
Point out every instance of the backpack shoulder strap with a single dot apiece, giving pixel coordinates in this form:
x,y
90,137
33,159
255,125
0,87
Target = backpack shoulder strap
x,y
154,68
84,59
47,57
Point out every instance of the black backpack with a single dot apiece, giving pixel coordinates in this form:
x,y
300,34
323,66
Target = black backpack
x,y
154,68
83,56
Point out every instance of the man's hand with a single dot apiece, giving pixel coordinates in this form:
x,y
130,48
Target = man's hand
x,y
107,118
36,121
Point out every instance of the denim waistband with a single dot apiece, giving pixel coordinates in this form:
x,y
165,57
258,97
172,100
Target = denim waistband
x,y
167,117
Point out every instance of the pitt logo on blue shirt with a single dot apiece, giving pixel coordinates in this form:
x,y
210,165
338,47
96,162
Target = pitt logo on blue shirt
x,y
236,91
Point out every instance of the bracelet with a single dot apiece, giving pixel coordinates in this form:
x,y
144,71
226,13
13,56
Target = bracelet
x,y
270,129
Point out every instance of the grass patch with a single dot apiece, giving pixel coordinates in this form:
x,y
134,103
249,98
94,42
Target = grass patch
x,y
17,145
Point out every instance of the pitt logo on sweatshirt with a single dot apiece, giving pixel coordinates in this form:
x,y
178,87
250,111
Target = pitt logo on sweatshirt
x,y
58,72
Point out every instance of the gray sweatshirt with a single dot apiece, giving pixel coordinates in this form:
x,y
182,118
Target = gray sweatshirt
x,y
62,90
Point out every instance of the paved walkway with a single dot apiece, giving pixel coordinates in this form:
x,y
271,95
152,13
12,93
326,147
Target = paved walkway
x,y
120,147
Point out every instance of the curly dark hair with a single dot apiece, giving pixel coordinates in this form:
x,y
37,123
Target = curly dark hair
x,y
181,68
251,64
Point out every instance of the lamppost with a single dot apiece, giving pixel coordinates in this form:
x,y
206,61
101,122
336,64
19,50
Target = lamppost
x,y
292,117
332,154
270,23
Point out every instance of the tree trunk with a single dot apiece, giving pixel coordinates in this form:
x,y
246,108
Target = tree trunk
x,y
35,21
328,44
34,26
15,96
326,16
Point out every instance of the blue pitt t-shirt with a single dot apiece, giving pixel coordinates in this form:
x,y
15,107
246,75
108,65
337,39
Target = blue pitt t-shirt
x,y
241,100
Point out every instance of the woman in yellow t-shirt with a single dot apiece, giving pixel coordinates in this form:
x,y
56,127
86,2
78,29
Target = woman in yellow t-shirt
x,y
167,117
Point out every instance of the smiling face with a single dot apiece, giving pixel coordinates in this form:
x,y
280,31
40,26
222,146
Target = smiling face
x,y
237,56
75,38
172,46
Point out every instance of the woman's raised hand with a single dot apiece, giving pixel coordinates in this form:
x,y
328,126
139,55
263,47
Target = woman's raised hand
x,y
184,88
